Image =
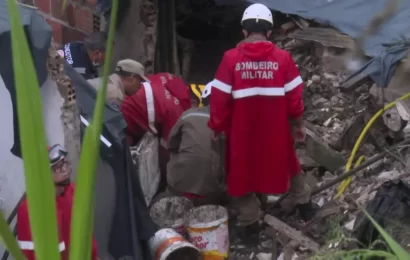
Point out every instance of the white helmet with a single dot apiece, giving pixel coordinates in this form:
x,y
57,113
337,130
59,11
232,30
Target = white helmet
x,y
258,11
207,90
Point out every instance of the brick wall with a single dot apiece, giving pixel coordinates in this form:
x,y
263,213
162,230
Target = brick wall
x,y
76,21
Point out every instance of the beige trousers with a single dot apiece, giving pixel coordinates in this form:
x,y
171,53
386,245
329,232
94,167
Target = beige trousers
x,y
249,205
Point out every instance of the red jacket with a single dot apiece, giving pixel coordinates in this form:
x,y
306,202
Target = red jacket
x,y
64,205
156,106
257,89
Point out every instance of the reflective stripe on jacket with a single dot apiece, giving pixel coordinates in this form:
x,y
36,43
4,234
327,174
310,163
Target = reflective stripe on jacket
x,y
156,106
64,205
256,91
76,55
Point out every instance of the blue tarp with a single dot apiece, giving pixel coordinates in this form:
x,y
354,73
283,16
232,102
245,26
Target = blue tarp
x,y
351,17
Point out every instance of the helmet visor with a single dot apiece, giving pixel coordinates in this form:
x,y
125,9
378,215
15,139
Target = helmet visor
x,y
56,153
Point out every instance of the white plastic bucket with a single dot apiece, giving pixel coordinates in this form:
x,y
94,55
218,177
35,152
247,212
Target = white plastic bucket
x,y
207,228
170,213
167,244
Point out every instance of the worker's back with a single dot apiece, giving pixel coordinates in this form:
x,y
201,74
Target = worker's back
x,y
256,91
156,106
194,166
115,89
76,55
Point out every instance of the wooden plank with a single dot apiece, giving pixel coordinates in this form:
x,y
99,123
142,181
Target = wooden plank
x,y
302,23
326,36
291,233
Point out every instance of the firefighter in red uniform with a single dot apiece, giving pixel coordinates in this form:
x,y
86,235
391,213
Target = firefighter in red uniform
x,y
155,108
257,91
64,204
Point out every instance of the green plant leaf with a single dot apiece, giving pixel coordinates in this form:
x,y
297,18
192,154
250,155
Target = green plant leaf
x,y
83,209
39,187
399,251
7,238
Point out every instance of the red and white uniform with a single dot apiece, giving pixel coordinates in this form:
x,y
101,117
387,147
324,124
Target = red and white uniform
x,y
156,106
256,91
64,205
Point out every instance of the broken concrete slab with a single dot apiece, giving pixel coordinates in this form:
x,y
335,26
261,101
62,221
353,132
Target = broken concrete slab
x,y
305,160
264,256
355,82
319,151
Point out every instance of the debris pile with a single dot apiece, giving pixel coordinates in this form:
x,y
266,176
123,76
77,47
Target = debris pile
x,y
331,113
336,111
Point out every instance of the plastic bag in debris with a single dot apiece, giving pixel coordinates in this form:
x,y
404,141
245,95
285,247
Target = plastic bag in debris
x,y
145,158
391,209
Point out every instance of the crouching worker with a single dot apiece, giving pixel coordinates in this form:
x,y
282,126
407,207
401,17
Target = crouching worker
x,y
64,203
195,170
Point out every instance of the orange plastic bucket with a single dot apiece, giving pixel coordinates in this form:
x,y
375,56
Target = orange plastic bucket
x,y
207,228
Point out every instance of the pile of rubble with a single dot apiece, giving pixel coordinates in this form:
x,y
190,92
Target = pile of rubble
x,y
332,230
335,117
330,111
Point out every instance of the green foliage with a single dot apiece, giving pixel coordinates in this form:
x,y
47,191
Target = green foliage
x,y
8,239
39,186
399,251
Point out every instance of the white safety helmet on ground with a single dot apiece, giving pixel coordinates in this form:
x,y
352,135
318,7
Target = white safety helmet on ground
x,y
207,90
258,11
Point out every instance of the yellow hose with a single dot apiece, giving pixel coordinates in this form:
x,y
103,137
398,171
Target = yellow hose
x,y
369,124
342,187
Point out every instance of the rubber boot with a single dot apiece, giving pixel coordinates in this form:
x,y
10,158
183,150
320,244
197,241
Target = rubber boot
x,y
263,198
249,235
308,210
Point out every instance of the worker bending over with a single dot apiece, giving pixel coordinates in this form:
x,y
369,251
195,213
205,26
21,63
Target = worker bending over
x,y
85,57
64,202
155,108
195,168
124,82
256,92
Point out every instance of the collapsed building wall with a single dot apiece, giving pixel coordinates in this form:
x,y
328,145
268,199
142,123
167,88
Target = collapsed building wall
x,y
72,24
137,33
